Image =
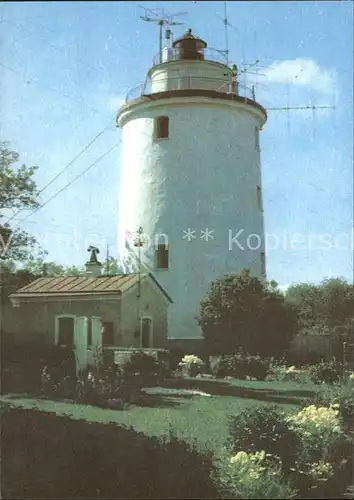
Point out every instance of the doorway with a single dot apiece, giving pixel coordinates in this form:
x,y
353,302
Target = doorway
x,y
66,332
146,332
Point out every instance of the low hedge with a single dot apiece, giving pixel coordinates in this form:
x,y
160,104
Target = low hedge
x,y
47,456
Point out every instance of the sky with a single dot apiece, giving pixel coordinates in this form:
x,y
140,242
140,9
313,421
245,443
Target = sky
x,y
67,66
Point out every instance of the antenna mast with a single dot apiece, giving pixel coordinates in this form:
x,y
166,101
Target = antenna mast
x,y
107,260
226,34
161,20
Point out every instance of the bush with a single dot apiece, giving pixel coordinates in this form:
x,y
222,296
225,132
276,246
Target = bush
x,y
284,373
59,457
21,366
325,461
257,429
191,365
173,357
146,368
242,366
253,475
328,373
96,387
342,395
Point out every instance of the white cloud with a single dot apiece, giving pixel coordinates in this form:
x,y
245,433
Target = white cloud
x,y
304,73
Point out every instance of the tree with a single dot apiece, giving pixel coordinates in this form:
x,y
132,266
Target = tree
x,y
242,313
327,307
39,267
18,191
111,267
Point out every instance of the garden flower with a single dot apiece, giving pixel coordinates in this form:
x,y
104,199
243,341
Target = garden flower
x,y
250,466
190,359
321,471
317,421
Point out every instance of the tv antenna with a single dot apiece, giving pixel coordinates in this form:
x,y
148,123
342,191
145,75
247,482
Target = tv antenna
x,y
161,19
226,24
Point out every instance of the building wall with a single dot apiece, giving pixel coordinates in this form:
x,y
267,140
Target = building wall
x,y
153,304
204,176
36,320
177,75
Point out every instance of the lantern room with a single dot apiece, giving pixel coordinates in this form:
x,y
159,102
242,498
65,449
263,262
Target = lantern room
x,y
188,47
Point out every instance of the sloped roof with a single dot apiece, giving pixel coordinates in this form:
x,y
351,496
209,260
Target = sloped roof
x,y
68,286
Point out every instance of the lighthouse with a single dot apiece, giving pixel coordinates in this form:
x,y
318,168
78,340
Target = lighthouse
x,y
191,178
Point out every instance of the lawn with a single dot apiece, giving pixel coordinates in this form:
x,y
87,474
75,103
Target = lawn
x,y
193,417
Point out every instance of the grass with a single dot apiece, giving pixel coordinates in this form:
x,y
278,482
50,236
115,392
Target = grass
x,y
193,417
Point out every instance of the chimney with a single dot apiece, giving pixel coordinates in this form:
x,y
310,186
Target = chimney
x,y
93,266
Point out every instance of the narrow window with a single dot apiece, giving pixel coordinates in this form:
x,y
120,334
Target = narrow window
x,y
107,333
161,127
162,256
89,332
259,197
256,136
263,264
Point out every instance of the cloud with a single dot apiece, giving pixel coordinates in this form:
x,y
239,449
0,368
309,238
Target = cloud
x,y
304,73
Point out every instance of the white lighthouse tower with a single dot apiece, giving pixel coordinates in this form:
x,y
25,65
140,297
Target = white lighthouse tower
x,y
190,172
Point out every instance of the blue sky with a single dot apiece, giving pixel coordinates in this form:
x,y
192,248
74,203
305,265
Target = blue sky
x,y
67,66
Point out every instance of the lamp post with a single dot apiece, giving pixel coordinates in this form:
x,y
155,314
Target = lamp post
x,y
138,242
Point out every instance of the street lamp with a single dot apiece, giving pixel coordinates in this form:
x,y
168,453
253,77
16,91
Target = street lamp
x,y
138,242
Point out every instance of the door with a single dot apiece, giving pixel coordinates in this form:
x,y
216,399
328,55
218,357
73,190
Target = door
x,y
66,332
146,333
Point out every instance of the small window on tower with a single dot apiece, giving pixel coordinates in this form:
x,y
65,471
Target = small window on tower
x,y
161,127
162,256
256,135
259,197
263,264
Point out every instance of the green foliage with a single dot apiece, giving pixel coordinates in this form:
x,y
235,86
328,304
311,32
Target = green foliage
x,y
173,357
256,429
325,460
328,373
18,191
38,266
241,312
146,368
241,366
252,475
44,450
324,308
21,365
342,395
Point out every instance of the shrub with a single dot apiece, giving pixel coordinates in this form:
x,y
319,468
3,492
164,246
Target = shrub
x,y
328,373
324,465
257,367
191,364
283,373
173,357
146,368
264,428
21,366
242,366
342,395
96,387
253,475
44,450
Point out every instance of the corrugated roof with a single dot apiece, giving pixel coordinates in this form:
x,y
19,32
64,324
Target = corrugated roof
x,y
82,284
